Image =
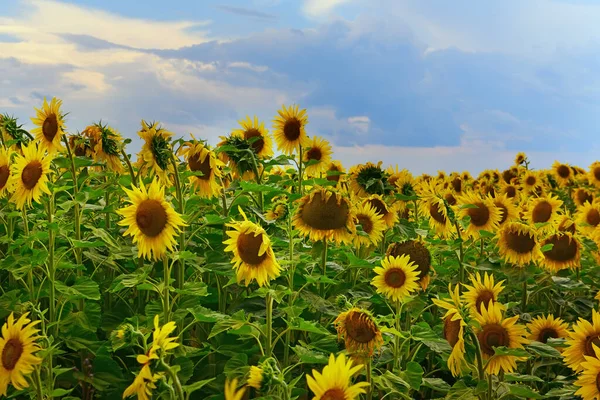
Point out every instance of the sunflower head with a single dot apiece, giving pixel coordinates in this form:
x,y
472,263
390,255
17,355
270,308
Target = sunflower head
x,y
334,382
594,174
372,225
335,171
482,292
543,210
206,168
543,328
588,217
402,180
13,134
317,156
5,157
564,253
562,173
518,244
581,341
289,128
50,126
482,212
438,213
254,132
581,196
156,154
520,158
389,215
418,254
231,391
509,175
29,175
106,145
507,209
397,277
359,331
369,178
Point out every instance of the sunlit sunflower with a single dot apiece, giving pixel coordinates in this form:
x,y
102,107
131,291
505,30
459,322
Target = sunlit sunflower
x,y
511,190
335,171
531,181
231,391
435,210
589,379
155,157
335,382
543,328
4,170
256,377
143,384
389,215
543,210
507,208
594,174
255,132
397,277
456,183
454,329
509,175
369,178
588,217
418,254
317,155
289,129
402,180
325,215
50,126
520,158
579,344
482,292
488,189
565,252
562,173
372,225
483,213
518,244
564,223
496,331
29,175
203,161
160,336
581,196
359,331
150,220
106,144
18,347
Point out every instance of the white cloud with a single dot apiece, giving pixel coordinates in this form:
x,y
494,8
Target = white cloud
x,y
321,8
247,65
361,123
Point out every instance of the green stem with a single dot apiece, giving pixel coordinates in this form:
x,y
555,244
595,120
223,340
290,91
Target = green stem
x,y
481,248
134,180
269,327
175,379
323,267
300,170
38,384
490,387
30,272
396,362
288,335
166,293
180,268
369,380
461,268
524,296
478,355
51,266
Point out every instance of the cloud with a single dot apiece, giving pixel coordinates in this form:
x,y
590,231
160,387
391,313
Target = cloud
x,y
246,12
320,8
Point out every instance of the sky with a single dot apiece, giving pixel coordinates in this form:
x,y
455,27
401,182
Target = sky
x,y
425,85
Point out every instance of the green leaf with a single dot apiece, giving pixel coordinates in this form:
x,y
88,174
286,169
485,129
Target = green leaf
x,y
193,289
299,324
523,391
186,368
505,351
521,378
436,384
202,314
308,356
413,375
547,247
189,389
85,244
543,350
83,288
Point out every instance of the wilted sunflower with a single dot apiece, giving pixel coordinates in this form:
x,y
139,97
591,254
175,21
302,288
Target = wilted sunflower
x,y
372,225
588,217
581,196
579,344
435,210
397,277
520,158
389,215
143,384
562,173
335,382
335,171
359,331
543,210
543,328
565,252
289,129
531,181
325,215
155,157
518,244
564,223
317,155
255,132
369,178
106,145
589,379
483,213
256,377
418,254
450,198
279,208
29,175
4,170
13,134
594,174
231,391
202,160
80,145
496,331
456,183
507,208
150,220
253,257
50,126
454,329
482,292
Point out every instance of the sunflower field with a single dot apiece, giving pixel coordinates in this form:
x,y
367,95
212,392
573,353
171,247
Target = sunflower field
x,y
261,268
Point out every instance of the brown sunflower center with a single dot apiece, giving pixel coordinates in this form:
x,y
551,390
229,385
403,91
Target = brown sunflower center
x,y
563,171
314,154
593,217
395,278
291,129
202,166
484,298
503,210
584,196
11,353
546,333
248,247
4,174
596,172
360,328
451,330
510,191
334,394
480,215
325,214
493,335
564,249
151,217
257,144
542,212
589,342
519,242
365,222
567,226
50,127
457,185
436,214
379,206
530,180
31,174
508,175
418,254
449,197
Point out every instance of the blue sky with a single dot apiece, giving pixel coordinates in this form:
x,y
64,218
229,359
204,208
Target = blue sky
x,y
425,85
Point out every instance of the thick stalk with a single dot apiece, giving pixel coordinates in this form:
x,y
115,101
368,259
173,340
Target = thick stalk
x,y
300,170
369,380
175,379
323,266
524,296
134,180
288,335
51,267
396,362
180,267
269,327
461,268
166,292
490,387
478,355
38,384
30,272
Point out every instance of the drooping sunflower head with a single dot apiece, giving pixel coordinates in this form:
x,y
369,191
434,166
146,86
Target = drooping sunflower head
x,y
402,180
143,384
453,329
150,220
13,134
520,158
369,178
389,215
518,244
335,171
106,144
29,175
562,173
397,277
80,145
564,223
594,174
418,254
372,225
507,209
231,391
156,154
509,175
290,129
257,135
50,126
205,166
483,214
543,210
565,252
279,208
256,377
359,330
582,338
253,256
335,382
588,217
456,183
325,215
547,327
581,196
5,156
317,156
482,292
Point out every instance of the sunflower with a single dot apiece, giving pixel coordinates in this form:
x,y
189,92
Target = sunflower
x,y
231,391
372,225
450,198
80,146
543,210
389,215
325,215
160,336
17,347
565,252
143,384
509,175
594,174
588,217
279,209
256,377
255,132
581,340
581,196
253,256
482,292
203,161
496,331
359,331
13,134
543,328
589,380
518,244
520,158
418,254
50,126
402,180
564,223
397,277
562,173
507,208
510,190
369,178
457,184
155,157
106,145
289,127
531,181
317,155
150,220
483,213
335,171
4,170
334,383
454,329
435,210
29,175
